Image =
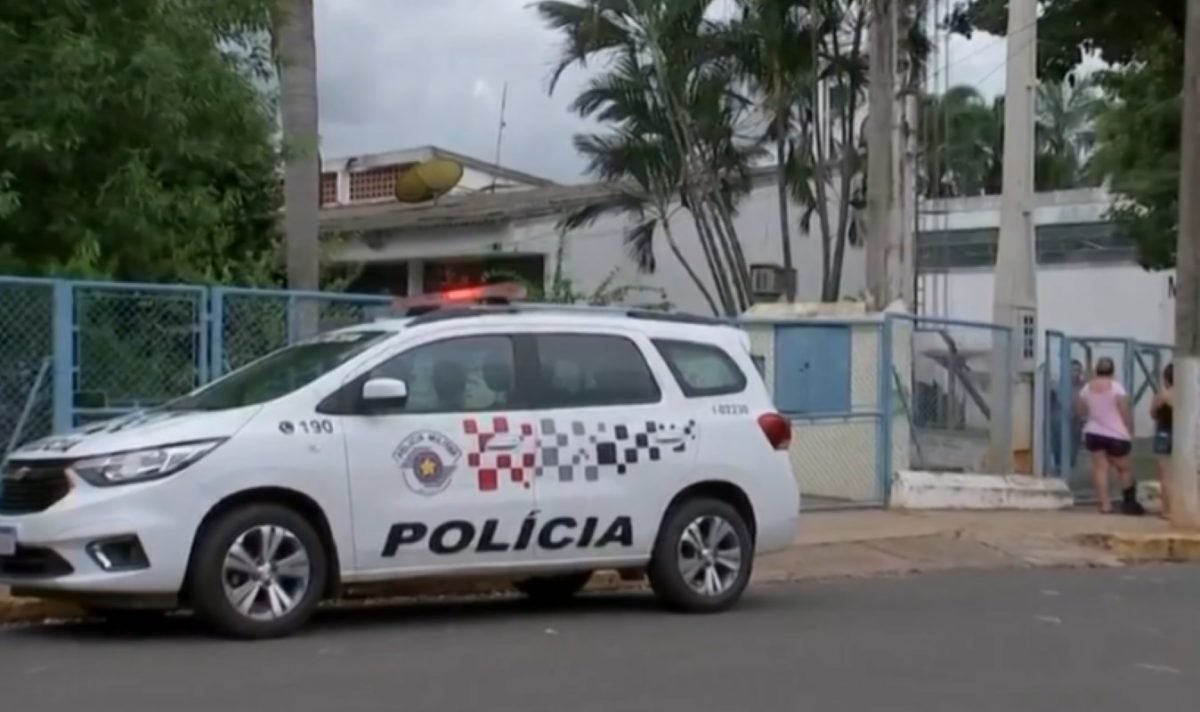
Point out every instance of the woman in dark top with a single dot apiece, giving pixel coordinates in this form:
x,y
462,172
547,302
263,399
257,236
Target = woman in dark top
x,y
1162,410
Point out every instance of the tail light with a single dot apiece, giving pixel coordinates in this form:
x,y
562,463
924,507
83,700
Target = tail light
x,y
777,429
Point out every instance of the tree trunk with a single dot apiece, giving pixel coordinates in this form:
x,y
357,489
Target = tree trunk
x,y
785,233
687,267
708,243
740,268
1184,499
296,58
725,245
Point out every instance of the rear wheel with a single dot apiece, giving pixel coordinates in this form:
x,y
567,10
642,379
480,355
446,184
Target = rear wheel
x,y
703,557
258,571
554,589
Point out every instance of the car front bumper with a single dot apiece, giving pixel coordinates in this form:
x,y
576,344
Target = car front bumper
x,y
67,549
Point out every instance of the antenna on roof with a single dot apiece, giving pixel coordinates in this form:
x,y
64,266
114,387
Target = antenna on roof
x,y
500,133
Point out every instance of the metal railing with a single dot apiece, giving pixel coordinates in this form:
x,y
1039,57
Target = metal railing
x,y
1068,362
77,351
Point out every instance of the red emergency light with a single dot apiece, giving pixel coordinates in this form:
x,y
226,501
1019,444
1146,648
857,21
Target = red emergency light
x,y
502,293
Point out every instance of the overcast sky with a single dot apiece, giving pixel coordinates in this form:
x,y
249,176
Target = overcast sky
x,y
403,73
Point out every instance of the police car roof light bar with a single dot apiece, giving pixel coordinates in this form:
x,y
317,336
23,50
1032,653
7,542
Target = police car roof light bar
x,y
502,293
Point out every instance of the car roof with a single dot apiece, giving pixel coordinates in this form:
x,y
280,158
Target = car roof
x,y
645,319
648,320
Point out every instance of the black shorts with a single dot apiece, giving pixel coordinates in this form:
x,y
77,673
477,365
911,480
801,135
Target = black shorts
x,y
1113,447
1162,442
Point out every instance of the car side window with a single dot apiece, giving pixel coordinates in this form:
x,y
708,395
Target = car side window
x,y
702,370
459,375
581,370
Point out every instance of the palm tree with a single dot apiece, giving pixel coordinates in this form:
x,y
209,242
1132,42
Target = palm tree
x,y
962,140
1066,114
296,61
771,45
672,134
961,144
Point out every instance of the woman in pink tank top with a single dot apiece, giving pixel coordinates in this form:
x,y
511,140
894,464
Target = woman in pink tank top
x,y
1108,435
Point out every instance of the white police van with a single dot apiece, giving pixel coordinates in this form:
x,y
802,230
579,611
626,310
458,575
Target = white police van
x,y
527,441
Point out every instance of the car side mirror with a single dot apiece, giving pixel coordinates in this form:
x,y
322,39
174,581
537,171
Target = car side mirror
x,y
382,394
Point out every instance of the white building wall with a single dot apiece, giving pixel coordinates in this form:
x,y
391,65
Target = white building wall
x,y
1079,300
593,252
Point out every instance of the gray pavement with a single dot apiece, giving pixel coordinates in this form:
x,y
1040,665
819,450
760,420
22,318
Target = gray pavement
x,y
1029,640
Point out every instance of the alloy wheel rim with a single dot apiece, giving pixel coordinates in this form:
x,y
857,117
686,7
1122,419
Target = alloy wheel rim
x,y
709,555
266,572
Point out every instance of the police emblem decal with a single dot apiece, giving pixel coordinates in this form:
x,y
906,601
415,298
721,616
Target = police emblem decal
x,y
427,460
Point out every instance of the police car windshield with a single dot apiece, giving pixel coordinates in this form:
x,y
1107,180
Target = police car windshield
x,y
281,372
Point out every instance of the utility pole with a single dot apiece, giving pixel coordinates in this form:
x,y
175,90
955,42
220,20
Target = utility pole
x,y
899,246
297,63
881,190
905,248
902,251
1184,485
1015,293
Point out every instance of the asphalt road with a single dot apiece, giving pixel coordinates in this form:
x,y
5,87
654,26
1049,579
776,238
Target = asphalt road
x,y
1032,640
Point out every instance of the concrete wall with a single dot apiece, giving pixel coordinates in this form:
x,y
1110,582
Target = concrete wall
x,y
837,457
1081,300
594,251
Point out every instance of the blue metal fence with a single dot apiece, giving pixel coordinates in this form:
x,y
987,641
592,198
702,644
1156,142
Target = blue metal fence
x,y
871,395
76,351
249,323
856,389
1068,362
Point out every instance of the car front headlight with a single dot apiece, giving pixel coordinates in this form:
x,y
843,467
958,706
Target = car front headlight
x,y
141,465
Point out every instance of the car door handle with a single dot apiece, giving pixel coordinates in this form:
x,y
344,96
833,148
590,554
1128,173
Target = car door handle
x,y
503,442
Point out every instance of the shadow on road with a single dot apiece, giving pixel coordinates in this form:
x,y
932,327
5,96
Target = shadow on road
x,y
409,614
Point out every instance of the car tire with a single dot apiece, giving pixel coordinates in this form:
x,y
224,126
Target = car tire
x,y
553,589
258,571
692,568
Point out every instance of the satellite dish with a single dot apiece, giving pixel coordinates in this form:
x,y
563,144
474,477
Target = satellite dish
x,y
428,180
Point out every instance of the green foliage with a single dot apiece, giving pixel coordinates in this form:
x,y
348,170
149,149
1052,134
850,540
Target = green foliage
x,y
136,142
1119,31
1138,150
693,92
672,129
1138,128
962,143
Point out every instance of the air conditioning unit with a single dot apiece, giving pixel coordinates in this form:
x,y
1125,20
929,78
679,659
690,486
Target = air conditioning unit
x,y
768,281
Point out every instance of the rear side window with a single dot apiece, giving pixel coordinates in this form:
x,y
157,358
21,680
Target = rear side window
x,y
701,369
580,370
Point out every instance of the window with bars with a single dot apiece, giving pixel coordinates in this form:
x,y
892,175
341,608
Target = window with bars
x,y
373,184
1063,243
328,188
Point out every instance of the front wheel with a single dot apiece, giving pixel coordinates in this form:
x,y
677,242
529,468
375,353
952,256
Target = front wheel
x,y
258,572
703,557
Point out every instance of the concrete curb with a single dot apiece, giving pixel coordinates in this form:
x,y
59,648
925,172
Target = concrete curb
x,y
918,490
1149,546
35,610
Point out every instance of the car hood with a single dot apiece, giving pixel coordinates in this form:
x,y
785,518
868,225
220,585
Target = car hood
x,y
143,429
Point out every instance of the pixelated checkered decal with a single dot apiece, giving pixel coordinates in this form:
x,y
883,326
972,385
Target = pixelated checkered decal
x,y
569,450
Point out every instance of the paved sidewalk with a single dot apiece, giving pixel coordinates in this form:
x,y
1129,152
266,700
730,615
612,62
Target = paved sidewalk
x,y
865,543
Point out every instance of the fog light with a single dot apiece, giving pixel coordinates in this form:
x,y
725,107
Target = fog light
x,y
123,553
